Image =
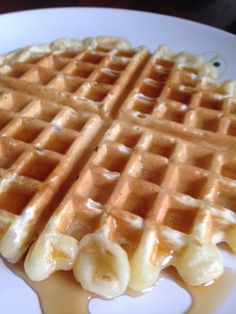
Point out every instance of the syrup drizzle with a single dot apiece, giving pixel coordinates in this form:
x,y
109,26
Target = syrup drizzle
x,y
58,294
61,293
207,298
216,293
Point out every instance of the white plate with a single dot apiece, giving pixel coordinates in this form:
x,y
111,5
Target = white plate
x,y
38,26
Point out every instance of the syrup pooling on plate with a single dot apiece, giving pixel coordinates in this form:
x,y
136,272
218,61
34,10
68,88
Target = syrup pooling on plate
x,y
216,293
207,298
61,293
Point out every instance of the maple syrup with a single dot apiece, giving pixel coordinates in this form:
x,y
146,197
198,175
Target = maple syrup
x,y
61,293
216,292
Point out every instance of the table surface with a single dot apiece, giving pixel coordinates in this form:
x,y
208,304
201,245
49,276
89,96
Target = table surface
x,y
217,13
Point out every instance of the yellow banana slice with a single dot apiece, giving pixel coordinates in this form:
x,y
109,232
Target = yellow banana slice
x,y
45,256
199,263
102,266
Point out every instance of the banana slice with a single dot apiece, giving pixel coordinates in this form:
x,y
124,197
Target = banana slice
x,y
51,252
145,263
102,266
199,263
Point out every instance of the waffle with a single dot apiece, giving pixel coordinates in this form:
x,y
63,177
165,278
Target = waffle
x,y
95,77
173,96
130,213
41,146
130,193
44,134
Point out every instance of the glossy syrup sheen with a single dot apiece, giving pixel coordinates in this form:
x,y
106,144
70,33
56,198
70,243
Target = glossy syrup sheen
x,y
207,298
61,293
216,293
58,294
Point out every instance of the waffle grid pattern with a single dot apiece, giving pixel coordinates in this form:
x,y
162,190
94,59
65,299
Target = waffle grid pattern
x,y
133,184
89,79
171,98
48,124
37,140
140,171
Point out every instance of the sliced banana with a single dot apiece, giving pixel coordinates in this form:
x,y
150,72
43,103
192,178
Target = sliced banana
x,y
199,263
51,252
102,266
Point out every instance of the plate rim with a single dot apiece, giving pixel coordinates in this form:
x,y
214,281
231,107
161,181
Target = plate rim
x,y
197,25
141,12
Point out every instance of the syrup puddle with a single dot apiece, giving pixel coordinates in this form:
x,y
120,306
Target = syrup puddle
x,y
207,299
61,293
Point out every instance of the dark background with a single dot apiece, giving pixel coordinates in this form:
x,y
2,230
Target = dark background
x,y
218,13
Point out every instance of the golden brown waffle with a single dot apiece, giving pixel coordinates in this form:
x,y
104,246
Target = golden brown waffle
x,y
131,193
92,79
44,130
41,144
172,97
158,190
